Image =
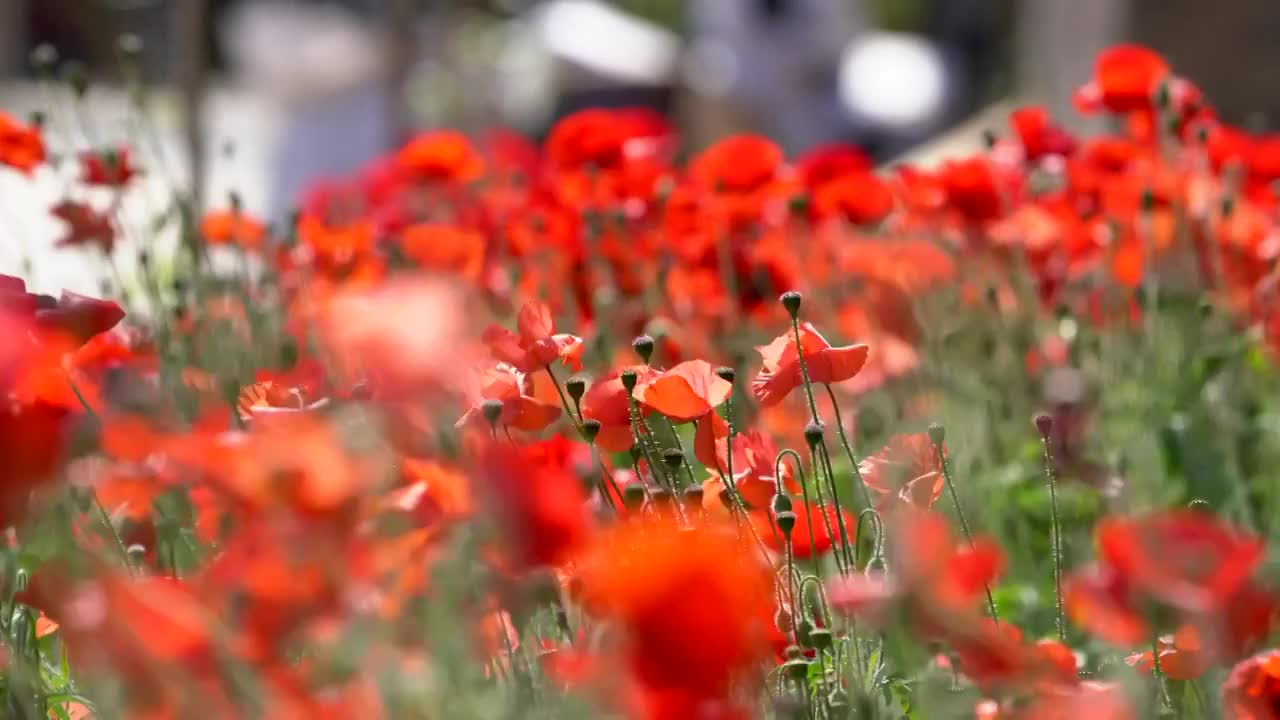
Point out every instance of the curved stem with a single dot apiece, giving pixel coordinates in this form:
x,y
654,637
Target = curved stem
x,y
848,447
964,523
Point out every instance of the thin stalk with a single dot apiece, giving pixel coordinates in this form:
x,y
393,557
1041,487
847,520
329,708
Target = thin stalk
x,y
848,447
964,523
835,500
804,371
564,402
1056,528
1162,684
804,488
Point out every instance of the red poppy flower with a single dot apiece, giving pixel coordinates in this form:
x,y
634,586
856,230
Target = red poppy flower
x,y
1038,135
754,468
861,199
971,189
539,502
781,371
232,227
1252,690
742,173
445,156
1125,79
694,623
1185,559
80,316
691,391
21,147
1102,602
608,402
537,345
1182,655
107,168
445,248
827,163
906,470
85,226
815,531
514,390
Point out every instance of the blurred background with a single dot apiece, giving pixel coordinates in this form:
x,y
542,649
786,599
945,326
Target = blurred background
x,y
266,96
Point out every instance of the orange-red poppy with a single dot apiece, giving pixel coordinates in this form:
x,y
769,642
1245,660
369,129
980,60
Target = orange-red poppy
x,y
21,146
1125,79
514,391
690,392
781,372
445,156
445,248
906,470
1252,690
232,227
537,345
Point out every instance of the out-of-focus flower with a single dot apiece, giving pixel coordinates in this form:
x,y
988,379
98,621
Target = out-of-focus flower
x,y
112,167
232,227
21,146
1125,79
1182,655
906,470
539,503
442,156
1039,136
1252,690
692,604
85,226
860,199
781,372
445,248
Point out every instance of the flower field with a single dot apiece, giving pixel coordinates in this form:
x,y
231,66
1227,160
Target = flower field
x,y
601,426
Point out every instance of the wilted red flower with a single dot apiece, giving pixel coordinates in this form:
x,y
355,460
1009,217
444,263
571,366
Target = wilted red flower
x,y
444,156
691,391
112,167
905,470
1252,690
85,226
232,227
537,345
693,604
781,371
21,146
1125,79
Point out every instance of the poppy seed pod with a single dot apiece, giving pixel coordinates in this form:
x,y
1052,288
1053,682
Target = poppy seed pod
x,y
786,522
820,639
1044,423
989,138
673,457
791,301
793,652
590,429
643,346
797,669
628,378
636,452
781,503
937,433
693,496
575,386
43,58
1148,200
492,410
813,433
633,496
76,76
803,630
660,496
799,205
726,373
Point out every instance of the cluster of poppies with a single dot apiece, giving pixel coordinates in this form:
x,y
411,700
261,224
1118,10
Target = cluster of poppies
x,y
498,426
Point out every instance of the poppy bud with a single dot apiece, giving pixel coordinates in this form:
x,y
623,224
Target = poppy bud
x,y
43,58
492,410
989,138
726,374
937,433
1162,96
813,433
628,378
673,457
820,639
643,346
1228,206
590,429
786,522
75,75
782,621
693,496
633,496
993,296
793,652
1148,200
797,669
781,503
1044,423
635,452
37,119
791,301
575,386
803,630
1205,308
144,258
799,204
